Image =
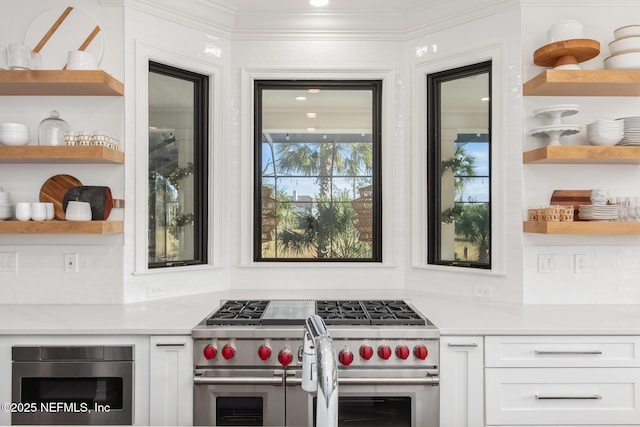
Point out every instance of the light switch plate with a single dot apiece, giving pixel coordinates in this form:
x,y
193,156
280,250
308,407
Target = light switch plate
x,y
8,262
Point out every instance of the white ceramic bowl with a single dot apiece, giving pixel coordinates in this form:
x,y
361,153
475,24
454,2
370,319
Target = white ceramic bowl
x,y
78,211
627,44
565,30
13,138
627,31
623,61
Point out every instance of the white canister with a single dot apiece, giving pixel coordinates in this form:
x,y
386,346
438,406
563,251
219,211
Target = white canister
x,y
78,211
23,211
38,211
19,57
565,30
81,60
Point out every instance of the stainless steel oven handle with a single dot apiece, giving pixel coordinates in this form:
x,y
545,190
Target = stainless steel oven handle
x,y
432,380
275,381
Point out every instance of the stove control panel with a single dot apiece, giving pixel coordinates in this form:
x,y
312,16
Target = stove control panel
x,y
351,353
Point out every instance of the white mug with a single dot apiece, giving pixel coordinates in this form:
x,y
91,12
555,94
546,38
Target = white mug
x,y
78,211
38,211
50,211
19,57
81,60
23,211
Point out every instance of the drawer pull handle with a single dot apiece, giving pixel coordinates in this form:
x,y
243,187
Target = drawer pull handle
x,y
592,397
471,344
543,352
178,344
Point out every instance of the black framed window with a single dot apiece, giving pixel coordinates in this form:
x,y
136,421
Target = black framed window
x,y
178,166
317,191
459,166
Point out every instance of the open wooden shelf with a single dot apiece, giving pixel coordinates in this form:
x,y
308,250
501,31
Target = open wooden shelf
x,y
60,154
583,154
59,83
581,227
584,83
61,227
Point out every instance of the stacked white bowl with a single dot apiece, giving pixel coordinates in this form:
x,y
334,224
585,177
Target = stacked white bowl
x,y
14,134
605,132
625,49
6,208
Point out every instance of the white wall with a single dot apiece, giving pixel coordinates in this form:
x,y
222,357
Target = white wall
x,y
495,37
40,276
613,274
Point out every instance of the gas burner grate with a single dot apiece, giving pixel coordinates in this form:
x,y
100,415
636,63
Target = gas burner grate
x,y
237,312
368,312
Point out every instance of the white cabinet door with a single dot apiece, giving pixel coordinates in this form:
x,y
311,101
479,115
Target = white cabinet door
x,y
461,382
171,381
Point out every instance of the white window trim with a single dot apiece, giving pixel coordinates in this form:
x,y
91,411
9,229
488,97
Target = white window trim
x,y
248,77
419,224
144,54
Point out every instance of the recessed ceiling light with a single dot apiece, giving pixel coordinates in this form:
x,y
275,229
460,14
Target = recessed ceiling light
x,y
318,3
301,98
312,115
311,129
486,98
314,91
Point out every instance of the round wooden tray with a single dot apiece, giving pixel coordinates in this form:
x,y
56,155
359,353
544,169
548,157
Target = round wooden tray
x,y
566,52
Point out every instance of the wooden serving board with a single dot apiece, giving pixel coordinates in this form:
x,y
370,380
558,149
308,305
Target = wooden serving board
x,y
54,189
573,198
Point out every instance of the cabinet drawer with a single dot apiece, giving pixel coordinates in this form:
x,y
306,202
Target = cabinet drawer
x,y
562,351
562,396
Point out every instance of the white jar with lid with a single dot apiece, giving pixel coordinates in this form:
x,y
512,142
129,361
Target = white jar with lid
x,y
52,130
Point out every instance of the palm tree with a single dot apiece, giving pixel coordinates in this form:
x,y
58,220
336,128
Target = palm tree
x,y
473,224
326,230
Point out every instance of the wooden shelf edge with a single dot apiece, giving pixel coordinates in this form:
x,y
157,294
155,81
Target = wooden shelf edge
x,y
584,154
61,227
584,83
77,154
581,227
59,83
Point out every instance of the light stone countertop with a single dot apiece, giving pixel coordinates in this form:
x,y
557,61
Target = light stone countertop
x,y
453,315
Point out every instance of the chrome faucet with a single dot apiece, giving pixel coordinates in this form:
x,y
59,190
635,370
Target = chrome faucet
x,y
320,370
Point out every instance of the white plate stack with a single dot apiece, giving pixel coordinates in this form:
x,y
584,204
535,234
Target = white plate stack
x,y
6,208
598,213
631,130
605,132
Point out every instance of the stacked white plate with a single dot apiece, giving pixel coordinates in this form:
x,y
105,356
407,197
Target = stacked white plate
x,y
631,131
598,213
6,208
625,49
605,132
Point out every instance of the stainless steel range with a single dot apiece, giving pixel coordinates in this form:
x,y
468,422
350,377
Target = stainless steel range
x,y
248,364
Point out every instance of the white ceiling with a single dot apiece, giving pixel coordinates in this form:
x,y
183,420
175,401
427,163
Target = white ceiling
x,y
335,6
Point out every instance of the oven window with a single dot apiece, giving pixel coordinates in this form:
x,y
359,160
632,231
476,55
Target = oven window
x,y
239,411
88,391
372,411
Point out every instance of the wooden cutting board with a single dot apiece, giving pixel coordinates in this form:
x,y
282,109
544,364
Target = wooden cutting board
x,y
54,189
573,198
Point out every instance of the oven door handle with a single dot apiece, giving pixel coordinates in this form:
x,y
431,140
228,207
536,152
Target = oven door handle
x,y
275,381
399,381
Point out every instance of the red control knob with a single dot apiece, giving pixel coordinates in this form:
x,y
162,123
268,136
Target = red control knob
x,y
420,352
285,357
366,352
384,351
264,352
345,357
209,352
228,351
402,351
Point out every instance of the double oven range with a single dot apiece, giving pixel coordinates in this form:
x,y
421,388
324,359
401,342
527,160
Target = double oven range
x,y
248,364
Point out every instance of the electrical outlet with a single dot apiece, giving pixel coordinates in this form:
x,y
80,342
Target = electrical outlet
x,y
8,262
70,263
580,264
547,263
482,291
